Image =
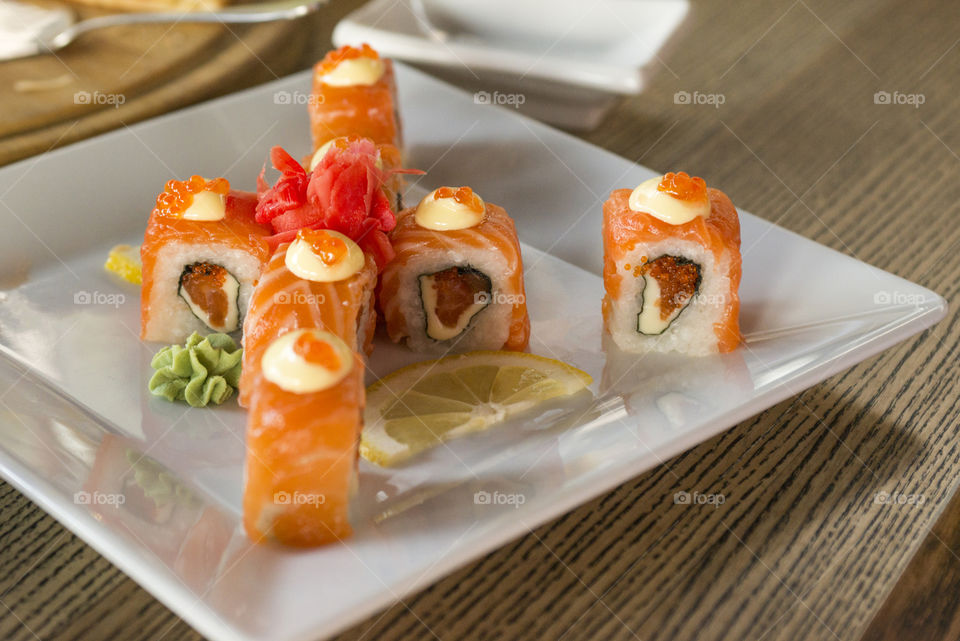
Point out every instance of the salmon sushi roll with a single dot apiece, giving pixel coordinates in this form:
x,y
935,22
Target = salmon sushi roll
x,y
354,94
321,280
456,283
306,403
202,253
672,267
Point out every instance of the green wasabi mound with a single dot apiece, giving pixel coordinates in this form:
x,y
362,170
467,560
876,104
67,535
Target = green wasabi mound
x,y
205,370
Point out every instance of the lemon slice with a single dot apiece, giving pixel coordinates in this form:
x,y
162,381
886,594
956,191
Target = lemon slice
x,y
425,404
124,261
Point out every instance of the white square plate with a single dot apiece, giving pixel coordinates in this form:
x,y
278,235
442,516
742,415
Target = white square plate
x,y
78,429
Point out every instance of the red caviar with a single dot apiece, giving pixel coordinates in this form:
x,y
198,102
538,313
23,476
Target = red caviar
x,y
316,351
329,248
682,186
346,52
463,195
177,195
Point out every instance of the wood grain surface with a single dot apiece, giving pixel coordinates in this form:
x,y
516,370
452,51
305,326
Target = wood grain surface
x,y
808,543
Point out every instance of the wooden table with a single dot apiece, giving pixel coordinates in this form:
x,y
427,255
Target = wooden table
x,y
800,549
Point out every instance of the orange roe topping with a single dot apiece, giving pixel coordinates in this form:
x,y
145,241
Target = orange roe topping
x,y
636,270
683,187
343,142
346,52
316,351
177,195
328,248
463,195
678,280
204,283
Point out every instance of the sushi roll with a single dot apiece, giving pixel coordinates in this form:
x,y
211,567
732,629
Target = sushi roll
x,y
456,283
202,253
354,94
304,421
672,267
322,279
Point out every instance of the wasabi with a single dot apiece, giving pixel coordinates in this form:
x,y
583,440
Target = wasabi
x,y
205,370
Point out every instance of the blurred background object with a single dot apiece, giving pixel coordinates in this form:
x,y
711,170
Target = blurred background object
x,y
116,76
564,64
38,32
156,5
21,23
567,66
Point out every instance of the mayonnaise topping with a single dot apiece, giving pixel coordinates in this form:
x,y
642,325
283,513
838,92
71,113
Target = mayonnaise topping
x,y
307,360
325,147
206,206
447,208
668,208
362,70
324,256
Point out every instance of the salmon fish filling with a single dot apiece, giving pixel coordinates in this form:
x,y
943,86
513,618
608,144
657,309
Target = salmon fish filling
x,y
212,294
451,298
670,283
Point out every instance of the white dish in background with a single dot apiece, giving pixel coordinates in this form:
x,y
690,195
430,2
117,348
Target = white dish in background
x,y
76,419
568,60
